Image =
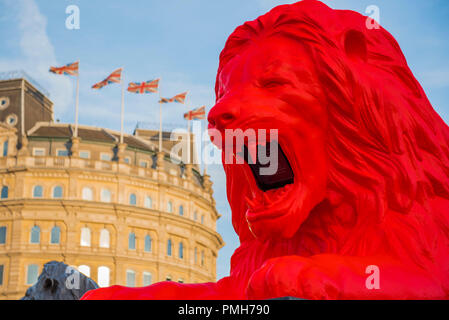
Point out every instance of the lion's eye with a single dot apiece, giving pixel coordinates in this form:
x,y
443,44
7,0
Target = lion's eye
x,y
273,82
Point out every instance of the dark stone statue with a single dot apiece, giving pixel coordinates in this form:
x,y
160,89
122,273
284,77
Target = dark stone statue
x,y
59,281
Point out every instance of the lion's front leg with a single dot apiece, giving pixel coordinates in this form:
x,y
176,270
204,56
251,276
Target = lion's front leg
x,y
340,277
226,288
292,276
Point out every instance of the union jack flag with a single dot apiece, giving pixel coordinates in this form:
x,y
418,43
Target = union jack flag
x,y
70,69
195,114
165,100
114,77
180,98
144,87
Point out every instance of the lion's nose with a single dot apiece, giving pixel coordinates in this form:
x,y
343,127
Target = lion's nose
x,y
221,115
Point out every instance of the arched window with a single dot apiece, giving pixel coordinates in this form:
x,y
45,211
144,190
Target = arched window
x,y
103,276
85,237
148,202
35,234
5,148
57,192
105,195
170,206
169,247
146,278
202,257
147,243
104,238
130,278
132,241
38,192
181,251
4,192
181,210
195,255
195,215
132,199
55,235
202,219
84,270
32,273
88,194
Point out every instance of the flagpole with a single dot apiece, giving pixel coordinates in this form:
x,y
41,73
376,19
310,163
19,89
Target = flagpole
x,y
188,140
160,124
22,109
205,160
77,102
123,107
188,126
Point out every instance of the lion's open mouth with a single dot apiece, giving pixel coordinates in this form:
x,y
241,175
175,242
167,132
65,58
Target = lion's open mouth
x,y
270,193
277,179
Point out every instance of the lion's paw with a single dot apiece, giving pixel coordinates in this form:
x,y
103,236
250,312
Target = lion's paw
x,y
291,276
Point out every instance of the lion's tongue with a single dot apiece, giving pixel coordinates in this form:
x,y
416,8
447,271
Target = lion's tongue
x,y
283,175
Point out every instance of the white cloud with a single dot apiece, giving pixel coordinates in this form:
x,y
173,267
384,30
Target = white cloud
x,y
37,53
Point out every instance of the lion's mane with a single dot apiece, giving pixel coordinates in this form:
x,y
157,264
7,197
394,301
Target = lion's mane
x,y
387,147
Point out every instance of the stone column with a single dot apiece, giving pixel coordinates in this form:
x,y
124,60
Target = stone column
x,y
23,151
160,160
121,147
120,249
72,240
207,184
75,146
188,171
161,178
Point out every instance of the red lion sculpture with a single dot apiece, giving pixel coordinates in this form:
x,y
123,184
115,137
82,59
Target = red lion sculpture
x,y
364,213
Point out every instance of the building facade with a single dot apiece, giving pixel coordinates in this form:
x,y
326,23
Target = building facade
x,y
120,212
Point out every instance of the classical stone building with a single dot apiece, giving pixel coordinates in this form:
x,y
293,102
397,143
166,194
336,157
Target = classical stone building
x,y
122,213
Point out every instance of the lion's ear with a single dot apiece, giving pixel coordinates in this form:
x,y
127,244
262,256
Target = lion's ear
x,y
355,45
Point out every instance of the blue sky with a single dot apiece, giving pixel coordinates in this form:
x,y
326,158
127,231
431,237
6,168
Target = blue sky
x,y
179,41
